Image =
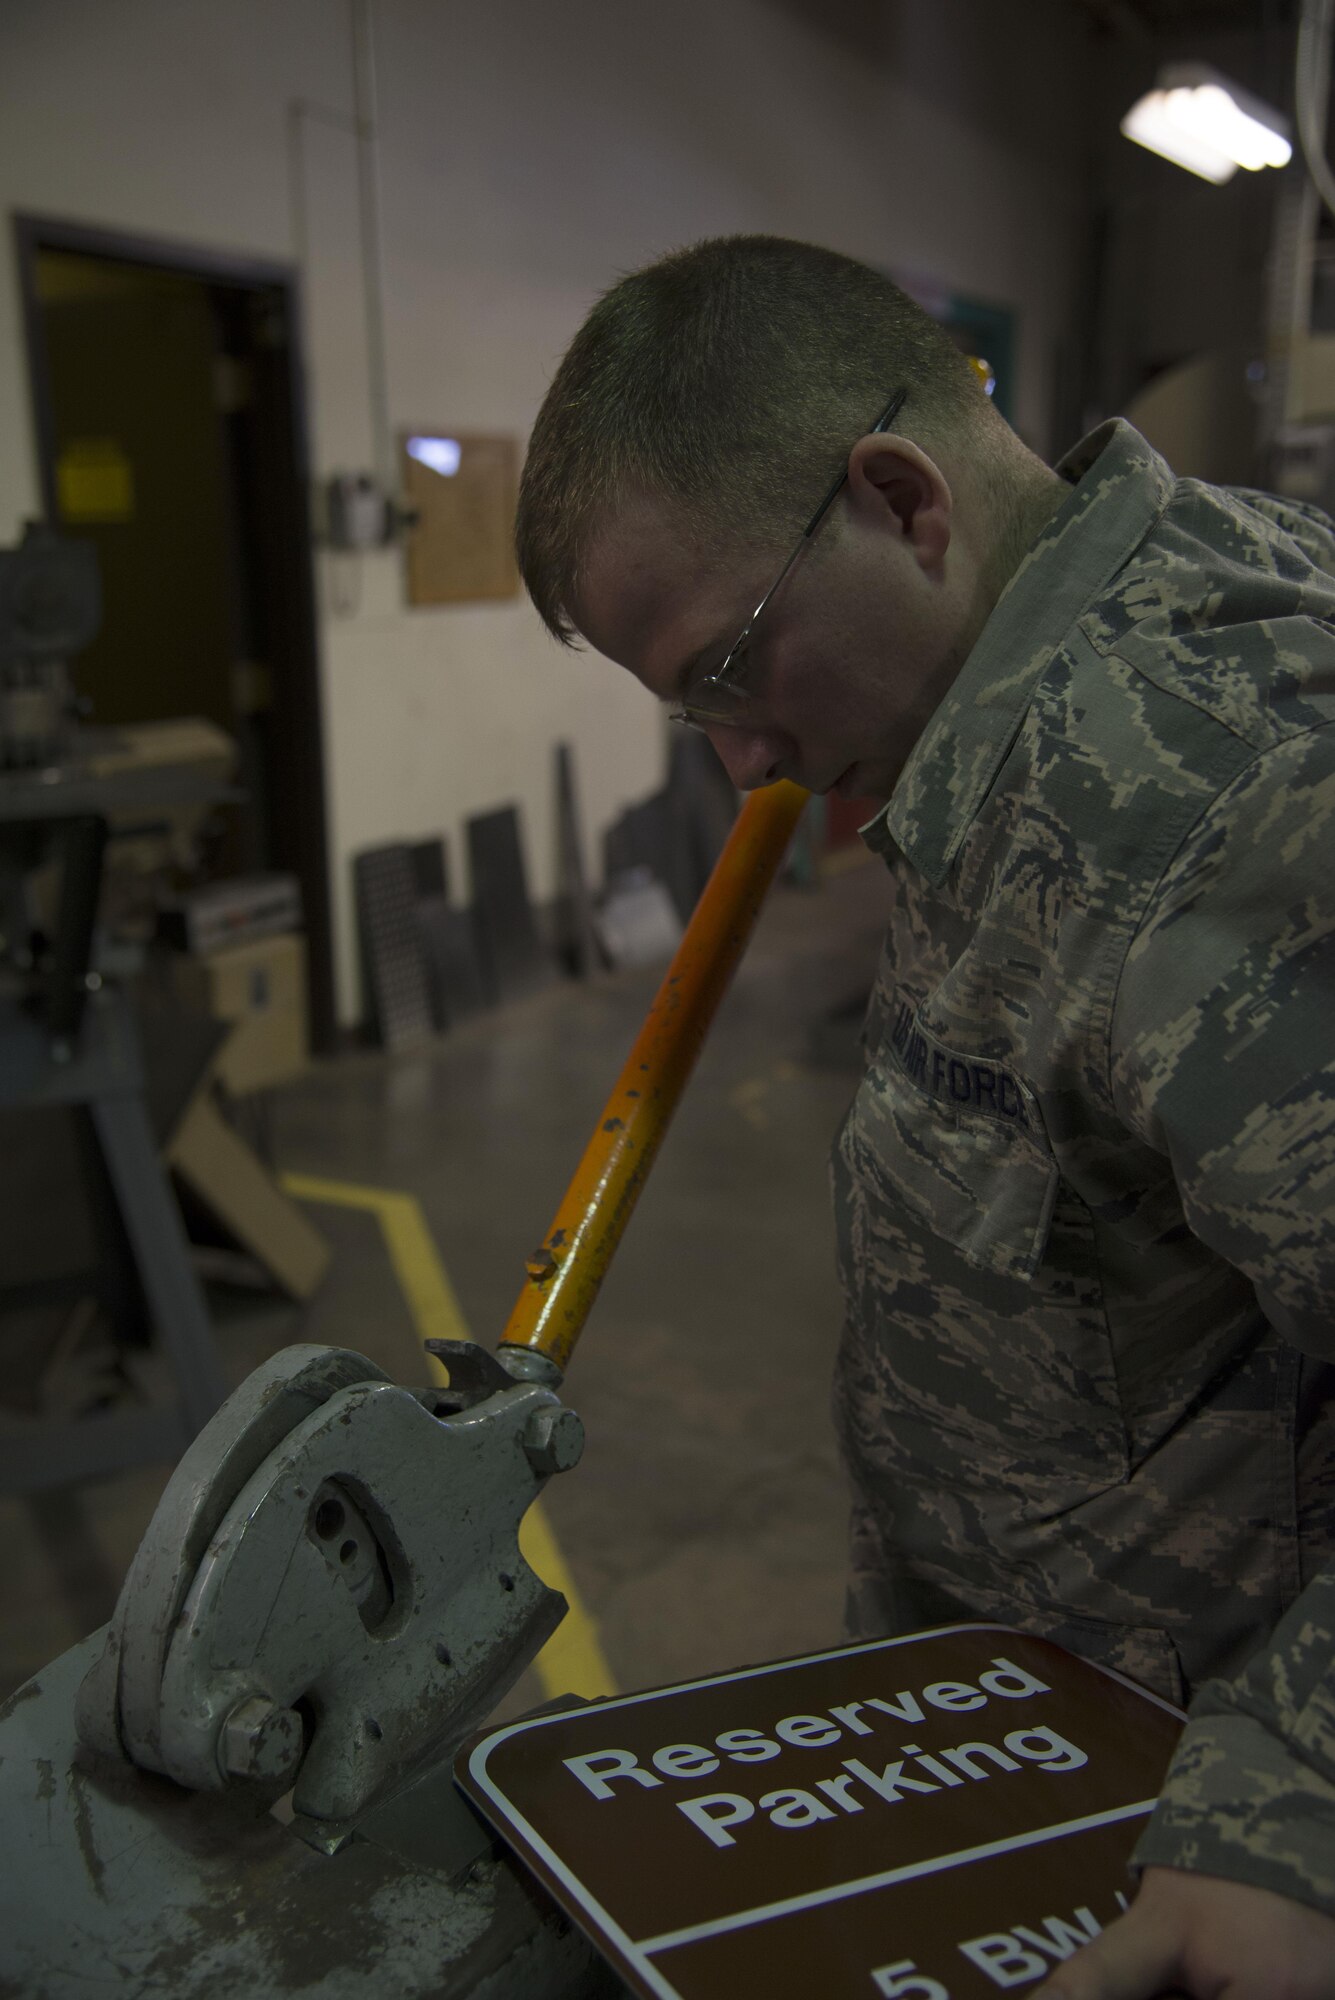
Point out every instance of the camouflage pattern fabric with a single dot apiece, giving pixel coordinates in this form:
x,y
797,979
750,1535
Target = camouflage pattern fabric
x,y
1086,1191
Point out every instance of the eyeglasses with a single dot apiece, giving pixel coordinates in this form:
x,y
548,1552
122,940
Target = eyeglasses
x,y
723,696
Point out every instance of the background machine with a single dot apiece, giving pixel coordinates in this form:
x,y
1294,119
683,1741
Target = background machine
x,y
244,1783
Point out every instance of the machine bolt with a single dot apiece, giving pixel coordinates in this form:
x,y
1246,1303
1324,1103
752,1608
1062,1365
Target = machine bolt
x,y
260,1740
553,1441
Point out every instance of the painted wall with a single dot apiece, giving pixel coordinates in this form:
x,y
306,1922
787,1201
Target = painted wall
x,y
1185,271
530,151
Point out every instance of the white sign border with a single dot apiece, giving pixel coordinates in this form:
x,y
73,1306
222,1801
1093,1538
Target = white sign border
x,y
636,1954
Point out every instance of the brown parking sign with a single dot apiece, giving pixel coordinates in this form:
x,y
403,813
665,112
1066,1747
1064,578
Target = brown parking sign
x,y
942,1817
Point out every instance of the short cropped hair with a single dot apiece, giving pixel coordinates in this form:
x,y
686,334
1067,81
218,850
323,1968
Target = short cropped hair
x,y
728,379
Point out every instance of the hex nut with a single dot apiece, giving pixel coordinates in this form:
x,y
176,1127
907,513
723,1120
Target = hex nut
x,y
260,1740
553,1441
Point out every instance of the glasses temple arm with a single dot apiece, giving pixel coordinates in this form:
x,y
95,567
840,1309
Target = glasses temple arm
x,y
883,423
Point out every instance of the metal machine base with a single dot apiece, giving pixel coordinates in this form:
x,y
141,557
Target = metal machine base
x,y
117,1881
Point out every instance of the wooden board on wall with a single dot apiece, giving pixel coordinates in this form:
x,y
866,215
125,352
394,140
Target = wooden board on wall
x,y
463,486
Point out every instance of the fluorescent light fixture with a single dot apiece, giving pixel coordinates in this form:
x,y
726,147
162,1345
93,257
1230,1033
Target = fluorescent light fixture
x,y
442,455
1198,119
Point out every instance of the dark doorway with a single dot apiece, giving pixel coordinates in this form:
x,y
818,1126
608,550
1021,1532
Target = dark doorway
x,y
170,430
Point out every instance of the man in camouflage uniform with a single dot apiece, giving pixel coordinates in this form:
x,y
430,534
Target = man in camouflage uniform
x,y
1086,1191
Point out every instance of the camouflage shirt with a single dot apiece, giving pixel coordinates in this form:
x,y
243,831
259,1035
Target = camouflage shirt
x,y
1086,1190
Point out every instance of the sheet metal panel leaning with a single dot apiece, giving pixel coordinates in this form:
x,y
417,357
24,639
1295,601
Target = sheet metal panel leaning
x,y
1085,1192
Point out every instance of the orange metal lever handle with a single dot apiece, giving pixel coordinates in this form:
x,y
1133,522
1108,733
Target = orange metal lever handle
x,y
565,1272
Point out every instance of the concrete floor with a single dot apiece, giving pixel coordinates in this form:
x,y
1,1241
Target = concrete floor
x,y
705,1526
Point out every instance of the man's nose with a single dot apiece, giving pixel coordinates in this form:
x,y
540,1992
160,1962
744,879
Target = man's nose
x,y
751,757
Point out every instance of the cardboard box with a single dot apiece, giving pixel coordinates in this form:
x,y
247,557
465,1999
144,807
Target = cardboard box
x,y
259,987
219,1166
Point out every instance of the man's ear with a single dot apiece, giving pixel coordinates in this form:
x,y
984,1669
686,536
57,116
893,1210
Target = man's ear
x,y
893,483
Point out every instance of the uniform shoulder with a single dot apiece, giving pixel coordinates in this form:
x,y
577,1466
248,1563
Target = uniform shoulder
x,y
1309,527
1228,606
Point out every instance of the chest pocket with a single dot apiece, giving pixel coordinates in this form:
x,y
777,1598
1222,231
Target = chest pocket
x,y
954,1144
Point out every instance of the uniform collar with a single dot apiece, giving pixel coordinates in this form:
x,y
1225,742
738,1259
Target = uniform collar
x,y
1121,487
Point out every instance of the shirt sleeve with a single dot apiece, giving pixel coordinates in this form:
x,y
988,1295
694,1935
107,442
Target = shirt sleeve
x,y
1250,1794
1223,1036
1224,1060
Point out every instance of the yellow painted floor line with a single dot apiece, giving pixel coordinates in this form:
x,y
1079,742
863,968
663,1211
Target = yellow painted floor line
x,y
572,1661
422,1277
